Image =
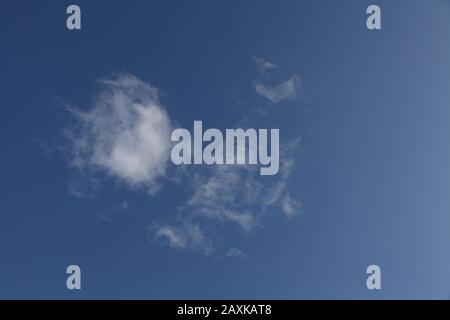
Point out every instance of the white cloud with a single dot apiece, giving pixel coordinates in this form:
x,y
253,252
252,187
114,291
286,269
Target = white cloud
x,y
125,133
175,238
283,91
263,65
226,193
235,195
286,166
237,253
290,206
278,188
187,236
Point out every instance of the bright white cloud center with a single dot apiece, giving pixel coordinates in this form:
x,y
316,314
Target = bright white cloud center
x,y
126,133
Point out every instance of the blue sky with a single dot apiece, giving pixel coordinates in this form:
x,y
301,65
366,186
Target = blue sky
x,y
364,132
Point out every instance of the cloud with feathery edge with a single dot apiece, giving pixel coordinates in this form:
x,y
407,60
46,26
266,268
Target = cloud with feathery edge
x,y
124,133
286,90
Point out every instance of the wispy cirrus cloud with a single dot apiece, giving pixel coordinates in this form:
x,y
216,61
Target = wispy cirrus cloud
x,y
183,237
226,194
276,93
124,133
263,65
290,206
231,196
285,90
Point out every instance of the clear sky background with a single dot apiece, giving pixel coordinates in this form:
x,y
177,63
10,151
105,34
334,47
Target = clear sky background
x,y
364,119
